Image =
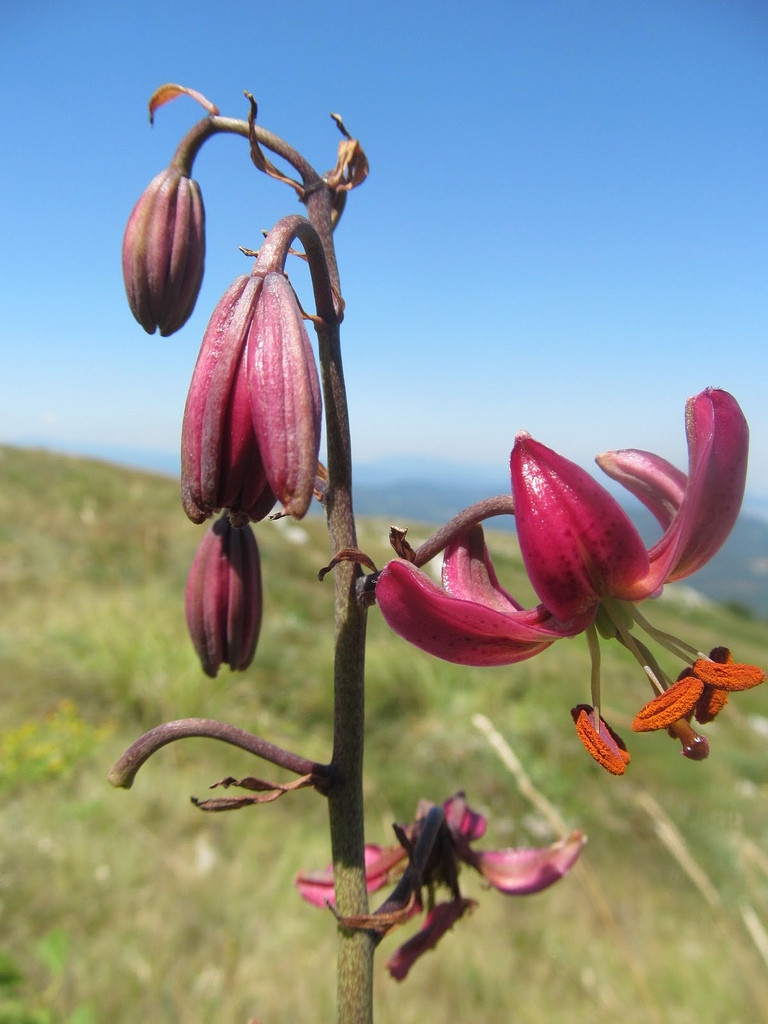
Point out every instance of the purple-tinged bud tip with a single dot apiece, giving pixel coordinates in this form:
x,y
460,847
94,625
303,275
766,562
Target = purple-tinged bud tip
x,y
223,600
164,252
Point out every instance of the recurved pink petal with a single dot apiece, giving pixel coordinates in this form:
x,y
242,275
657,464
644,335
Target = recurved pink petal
x,y
382,864
523,871
577,542
465,632
316,887
657,483
468,573
718,445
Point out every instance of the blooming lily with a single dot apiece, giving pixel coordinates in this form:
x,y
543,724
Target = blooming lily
x,y
430,852
589,568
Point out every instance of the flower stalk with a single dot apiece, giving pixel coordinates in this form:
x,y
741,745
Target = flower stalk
x,y
345,799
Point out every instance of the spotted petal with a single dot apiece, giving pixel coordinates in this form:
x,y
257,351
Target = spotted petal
x,y
461,631
468,573
577,542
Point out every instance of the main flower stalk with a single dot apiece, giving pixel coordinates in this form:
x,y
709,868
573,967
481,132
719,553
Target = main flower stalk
x,y
345,799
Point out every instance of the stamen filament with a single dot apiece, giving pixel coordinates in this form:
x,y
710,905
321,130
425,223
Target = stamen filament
x,y
658,674
593,643
672,643
632,645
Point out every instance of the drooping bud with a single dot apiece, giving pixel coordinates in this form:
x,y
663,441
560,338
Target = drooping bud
x,y
285,395
221,465
223,599
164,252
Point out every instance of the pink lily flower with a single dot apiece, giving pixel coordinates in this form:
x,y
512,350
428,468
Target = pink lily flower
x,y
590,567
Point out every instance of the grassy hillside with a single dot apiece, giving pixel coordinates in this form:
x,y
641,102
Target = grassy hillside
x,y
118,906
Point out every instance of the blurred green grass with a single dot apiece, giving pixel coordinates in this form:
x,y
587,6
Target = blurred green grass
x,y
124,905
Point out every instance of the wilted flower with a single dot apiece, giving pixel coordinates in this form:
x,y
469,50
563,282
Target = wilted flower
x,y
223,600
430,854
164,252
589,567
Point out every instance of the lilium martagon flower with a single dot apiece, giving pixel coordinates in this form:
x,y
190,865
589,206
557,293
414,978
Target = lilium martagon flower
x,y
514,872
590,569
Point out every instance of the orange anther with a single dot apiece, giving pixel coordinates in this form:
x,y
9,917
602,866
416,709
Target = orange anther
x,y
728,675
606,746
676,702
710,704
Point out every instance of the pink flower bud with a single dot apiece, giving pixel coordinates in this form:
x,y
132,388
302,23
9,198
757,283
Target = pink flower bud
x,y
221,465
164,252
285,395
223,598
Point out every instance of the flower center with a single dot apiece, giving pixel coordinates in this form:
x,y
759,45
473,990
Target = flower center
x,y
700,690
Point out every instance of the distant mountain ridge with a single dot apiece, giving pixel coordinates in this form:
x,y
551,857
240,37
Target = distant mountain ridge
x,y
428,490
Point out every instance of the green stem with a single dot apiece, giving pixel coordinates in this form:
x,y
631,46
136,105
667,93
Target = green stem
x,y
345,798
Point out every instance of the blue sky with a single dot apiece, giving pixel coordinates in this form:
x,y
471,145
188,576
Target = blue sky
x,y
565,228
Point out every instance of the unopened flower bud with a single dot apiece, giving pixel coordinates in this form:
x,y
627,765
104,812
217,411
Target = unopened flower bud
x,y
223,599
221,466
164,252
285,395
